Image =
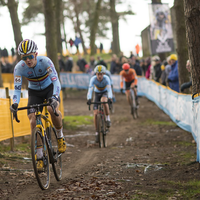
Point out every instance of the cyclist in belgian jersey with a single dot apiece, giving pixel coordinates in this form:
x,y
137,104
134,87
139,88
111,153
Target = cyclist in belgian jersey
x,y
107,72
100,83
43,83
130,77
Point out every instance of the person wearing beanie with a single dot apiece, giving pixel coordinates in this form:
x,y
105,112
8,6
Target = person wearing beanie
x,y
173,77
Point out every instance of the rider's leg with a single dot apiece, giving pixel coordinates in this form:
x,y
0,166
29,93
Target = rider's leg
x,y
107,112
135,92
57,120
32,120
127,92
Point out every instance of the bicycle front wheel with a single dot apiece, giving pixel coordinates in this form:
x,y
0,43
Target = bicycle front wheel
x,y
133,105
99,124
104,132
41,165
56,156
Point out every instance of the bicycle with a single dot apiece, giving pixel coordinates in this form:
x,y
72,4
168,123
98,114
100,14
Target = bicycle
x,y
134,107
48,137
101,124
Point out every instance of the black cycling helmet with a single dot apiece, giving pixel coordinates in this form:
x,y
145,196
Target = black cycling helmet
x,y
27,46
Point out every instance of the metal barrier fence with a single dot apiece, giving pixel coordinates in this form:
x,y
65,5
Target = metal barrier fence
x,y
10,128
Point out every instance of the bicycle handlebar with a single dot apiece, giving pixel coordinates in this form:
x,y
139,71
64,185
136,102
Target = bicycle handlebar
x,y
15,117
100,103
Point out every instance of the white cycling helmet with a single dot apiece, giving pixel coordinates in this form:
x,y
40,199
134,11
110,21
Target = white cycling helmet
x,y
100,69
27,46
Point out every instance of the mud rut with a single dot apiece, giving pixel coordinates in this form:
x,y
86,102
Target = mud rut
x,y
140,158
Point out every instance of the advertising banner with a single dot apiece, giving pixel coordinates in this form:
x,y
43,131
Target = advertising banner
x,y
161,35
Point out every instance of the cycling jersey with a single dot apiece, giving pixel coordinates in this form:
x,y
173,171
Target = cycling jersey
x,y
99,87
39,77
130,76
109,75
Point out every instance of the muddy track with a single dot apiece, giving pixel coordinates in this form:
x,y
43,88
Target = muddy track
x,y
140,158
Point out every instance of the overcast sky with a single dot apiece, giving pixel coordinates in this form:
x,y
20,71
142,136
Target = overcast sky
x,y
129,31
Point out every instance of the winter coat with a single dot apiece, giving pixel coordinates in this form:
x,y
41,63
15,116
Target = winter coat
x,y
173,77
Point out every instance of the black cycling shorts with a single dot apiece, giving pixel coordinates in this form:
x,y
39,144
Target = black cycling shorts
x,y
128,85
38,96
97,98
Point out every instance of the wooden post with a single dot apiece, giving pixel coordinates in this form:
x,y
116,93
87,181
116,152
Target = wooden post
x,y
22,137
11,139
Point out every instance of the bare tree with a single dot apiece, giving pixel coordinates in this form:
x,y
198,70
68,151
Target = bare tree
x,y
115,28
78,23
94,27
58,15
192,20
182,49
50,31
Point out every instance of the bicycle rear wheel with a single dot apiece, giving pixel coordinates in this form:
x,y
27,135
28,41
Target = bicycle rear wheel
x,y
99,124
43,174
57,160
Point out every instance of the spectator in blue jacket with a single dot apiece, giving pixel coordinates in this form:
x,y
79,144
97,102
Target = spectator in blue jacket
x,y
173,77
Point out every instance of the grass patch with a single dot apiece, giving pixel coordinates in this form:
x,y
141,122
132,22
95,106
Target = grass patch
x,y
153,122
173,190
185,143
186,190
24,147
73,122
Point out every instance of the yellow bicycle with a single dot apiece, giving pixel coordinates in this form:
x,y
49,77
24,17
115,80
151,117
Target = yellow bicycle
x,y
44,137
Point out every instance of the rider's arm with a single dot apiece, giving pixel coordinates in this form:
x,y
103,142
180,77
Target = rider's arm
x,y
108,87
54,77
17,84
91,87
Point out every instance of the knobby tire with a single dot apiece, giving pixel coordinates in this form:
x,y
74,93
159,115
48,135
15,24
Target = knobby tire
x,y
133,105
57,160
99,124
103,132
43,177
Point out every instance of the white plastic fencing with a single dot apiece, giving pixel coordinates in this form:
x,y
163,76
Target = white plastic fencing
x,y
184,111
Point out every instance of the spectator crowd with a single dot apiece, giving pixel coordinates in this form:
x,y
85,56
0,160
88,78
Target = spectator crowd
x,y
164,72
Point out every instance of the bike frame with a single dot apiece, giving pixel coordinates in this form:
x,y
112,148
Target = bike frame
x,y
49,124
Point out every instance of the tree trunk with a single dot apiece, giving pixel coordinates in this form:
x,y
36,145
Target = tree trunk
x,y
156,1
182,49
50,32
1,81
12,6
94,27
115,28
79,28
192,20
58,13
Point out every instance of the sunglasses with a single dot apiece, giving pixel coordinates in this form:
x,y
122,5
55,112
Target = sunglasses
x,y
29,57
